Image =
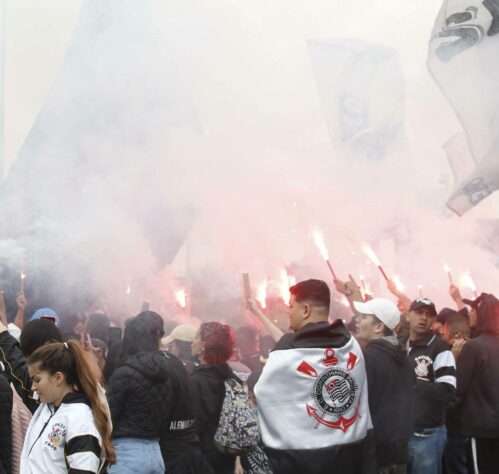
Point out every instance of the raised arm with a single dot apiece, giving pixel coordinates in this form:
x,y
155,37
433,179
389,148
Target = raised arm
x,y
273,330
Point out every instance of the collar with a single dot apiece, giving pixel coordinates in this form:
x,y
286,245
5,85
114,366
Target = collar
x,y
313,325
75,397
426,341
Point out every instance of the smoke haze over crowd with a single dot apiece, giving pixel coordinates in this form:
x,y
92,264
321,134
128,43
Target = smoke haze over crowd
x,y
203,139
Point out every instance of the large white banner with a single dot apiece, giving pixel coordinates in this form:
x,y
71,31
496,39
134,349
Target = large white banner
x,y
464,60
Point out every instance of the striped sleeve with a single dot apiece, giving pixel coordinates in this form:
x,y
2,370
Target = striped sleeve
x,y
83,454
445,368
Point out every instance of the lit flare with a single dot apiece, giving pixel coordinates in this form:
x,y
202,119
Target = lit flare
x,y
181,297
261,293
398,283
374,258
285,282
319,242
449,274
468,282
23,276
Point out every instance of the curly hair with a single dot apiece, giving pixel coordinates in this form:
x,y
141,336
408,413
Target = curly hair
x,y
218,342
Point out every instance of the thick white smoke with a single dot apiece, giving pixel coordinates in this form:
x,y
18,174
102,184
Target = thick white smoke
x,y
242,121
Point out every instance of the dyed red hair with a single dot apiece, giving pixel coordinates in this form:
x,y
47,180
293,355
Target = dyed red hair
x,y
218,342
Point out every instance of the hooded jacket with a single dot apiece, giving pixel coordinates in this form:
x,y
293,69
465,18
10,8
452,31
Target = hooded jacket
x,y
179,441
391,382
5,426
478,387
313,403
478,375
63,439
179,433
140,396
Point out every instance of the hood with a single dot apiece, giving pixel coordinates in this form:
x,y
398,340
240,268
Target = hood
x,y
391,346
152,365
487,315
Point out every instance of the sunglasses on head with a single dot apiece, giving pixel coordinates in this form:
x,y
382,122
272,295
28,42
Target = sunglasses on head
x,y
424,301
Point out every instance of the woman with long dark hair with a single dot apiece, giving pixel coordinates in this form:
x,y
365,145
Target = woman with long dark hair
x,y
213,345
139,395
69,432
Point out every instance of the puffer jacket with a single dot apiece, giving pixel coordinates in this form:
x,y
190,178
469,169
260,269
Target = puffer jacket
x,y
140,396
5,426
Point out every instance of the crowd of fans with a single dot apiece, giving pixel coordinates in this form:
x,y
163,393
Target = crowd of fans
x,y
403,388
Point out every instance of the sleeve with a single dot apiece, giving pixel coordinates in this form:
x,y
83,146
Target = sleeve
x,y
5,424
466,366
116,393
200,414
16,369
443,389
370,363
83,446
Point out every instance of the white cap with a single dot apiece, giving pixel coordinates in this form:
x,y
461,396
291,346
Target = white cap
x,y
385,310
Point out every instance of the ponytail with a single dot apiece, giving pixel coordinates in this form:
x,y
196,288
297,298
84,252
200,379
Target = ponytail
x,y
70,359
89,385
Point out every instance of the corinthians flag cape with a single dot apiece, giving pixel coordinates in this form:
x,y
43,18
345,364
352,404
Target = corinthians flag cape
x,y
312,403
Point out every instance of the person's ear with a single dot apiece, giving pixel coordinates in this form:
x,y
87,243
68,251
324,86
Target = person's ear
x,y
59,378
307,310
378,328
98,352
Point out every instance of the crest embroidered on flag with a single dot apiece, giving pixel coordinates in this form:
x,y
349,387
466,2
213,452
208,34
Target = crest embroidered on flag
x,y
334,392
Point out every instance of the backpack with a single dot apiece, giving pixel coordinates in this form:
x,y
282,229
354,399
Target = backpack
x,y
237,433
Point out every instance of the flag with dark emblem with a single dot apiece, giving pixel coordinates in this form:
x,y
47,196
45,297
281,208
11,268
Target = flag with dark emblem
x,y
464,60
313,405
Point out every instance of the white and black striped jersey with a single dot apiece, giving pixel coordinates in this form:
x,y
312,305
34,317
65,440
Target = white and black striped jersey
x,y
435,369
63,440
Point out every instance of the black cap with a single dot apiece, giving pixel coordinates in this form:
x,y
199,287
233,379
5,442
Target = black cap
x,y
423,303
474,303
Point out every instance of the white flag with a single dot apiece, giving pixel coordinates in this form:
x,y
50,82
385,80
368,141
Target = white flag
x,y
464,61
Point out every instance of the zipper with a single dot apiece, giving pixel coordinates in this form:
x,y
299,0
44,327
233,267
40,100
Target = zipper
x,y
41,432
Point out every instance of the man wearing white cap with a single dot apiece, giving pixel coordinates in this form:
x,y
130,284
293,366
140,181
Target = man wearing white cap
x,y
179,343
390,382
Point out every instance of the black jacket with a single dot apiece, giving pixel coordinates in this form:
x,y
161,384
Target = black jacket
x,y
140,396
207,384
16,369
179,441
435,369
179,433
5,426
390,382
478,387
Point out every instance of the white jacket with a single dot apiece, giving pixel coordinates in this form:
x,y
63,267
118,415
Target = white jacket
x,y
63,439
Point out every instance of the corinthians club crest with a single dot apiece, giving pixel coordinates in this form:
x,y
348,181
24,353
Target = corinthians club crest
x,y
335,392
